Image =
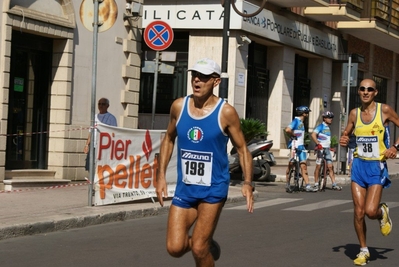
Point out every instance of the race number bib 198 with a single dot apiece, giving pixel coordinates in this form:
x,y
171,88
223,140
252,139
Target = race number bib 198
x,y
368,146
196,167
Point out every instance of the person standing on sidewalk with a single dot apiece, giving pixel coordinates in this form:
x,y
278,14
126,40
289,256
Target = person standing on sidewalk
x,y
369,173
203,124
102,116
322,138
296,132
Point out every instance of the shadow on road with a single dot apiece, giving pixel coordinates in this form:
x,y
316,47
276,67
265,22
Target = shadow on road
x,y
351,250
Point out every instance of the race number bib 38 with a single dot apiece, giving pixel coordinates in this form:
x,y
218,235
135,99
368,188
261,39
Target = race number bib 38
x,y
368,146
196,167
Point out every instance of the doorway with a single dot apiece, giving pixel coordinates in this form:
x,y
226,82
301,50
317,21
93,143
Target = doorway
x,y
257,83
28,108
301,85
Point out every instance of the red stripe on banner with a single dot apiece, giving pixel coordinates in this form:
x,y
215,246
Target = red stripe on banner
x,y
22,134
45,188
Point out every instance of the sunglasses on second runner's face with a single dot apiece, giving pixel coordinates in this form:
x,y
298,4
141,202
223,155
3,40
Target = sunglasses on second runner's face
x,y
202,76
368,89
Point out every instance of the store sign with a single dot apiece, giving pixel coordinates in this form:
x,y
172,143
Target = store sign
x,y
188,16
289,32
266,24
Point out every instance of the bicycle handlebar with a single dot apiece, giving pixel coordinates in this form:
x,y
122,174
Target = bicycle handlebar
x,y
316,151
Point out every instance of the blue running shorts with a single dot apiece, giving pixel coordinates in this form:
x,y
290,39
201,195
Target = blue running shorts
x,y
192,202
370,172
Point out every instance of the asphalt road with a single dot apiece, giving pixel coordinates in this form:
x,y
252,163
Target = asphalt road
x,y
300,229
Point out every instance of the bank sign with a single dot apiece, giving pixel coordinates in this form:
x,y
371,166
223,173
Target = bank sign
x,y
266,24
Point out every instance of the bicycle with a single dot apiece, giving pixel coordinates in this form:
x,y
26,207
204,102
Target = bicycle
x,y
295,171
324,171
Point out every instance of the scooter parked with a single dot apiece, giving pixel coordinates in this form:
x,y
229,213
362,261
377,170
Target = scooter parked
x,y
263,159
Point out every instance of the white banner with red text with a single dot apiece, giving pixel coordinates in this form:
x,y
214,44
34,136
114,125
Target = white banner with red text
x,y
126,164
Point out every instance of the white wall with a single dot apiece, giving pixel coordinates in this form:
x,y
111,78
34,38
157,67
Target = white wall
x,y
281,65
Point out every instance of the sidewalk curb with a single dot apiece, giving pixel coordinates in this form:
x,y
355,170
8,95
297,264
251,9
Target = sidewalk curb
x,y
77,222
73,222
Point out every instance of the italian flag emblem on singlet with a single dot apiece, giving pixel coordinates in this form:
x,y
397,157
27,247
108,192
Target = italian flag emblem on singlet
x,y
195,135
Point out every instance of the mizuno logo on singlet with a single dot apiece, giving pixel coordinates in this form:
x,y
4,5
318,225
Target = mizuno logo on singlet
x,y
195,156
371,139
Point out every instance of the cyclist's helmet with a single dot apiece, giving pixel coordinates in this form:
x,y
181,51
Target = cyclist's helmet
x,y
328,114
302,109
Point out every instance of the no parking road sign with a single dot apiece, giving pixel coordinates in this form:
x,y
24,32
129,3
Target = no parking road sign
x,y
158,35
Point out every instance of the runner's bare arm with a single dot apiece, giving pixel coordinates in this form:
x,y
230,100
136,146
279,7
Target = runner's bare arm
x,y
390,115
231,124
166,151
344,140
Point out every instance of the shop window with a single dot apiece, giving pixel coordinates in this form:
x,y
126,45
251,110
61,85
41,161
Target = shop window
x,y
170,87
382,85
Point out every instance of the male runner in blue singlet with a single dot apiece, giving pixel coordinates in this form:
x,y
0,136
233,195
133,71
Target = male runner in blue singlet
x,y
369,174
203,124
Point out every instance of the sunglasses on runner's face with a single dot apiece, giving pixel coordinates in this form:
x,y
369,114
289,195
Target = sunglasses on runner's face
x,y
369,89
201,75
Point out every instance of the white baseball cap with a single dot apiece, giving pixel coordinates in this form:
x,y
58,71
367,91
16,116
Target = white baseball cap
x,y
206,66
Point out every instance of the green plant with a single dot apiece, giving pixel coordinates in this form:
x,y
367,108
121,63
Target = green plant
x,y
334,141
252,128
306,139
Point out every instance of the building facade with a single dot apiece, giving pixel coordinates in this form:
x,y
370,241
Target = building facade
x,y
46,55
53,69
284,56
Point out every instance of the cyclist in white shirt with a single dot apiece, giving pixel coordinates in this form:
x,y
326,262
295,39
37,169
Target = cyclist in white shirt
x,y
322,137
296,131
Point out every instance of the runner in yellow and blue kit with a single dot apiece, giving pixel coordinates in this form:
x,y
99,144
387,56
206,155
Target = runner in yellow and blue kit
x,y
369,173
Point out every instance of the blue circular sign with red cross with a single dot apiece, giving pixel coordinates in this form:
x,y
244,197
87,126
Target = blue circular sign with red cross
x,y
158,35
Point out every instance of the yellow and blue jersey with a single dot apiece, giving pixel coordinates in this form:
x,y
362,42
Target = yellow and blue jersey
x,y
372,138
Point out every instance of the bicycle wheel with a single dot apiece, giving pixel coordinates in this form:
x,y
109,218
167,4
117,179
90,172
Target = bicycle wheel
x,y
322,178
297,177
291,178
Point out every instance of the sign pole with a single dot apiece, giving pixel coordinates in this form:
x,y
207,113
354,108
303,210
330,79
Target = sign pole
x,y
93,101
224,83
158,36
154,91
348,89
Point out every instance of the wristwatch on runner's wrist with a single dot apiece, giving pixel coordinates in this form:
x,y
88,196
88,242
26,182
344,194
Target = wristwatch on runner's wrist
x,y
396,146
252,184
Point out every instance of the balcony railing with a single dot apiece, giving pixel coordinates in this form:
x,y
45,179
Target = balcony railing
x,y
356,4
386,10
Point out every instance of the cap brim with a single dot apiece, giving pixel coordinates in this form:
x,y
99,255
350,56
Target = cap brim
x,y
201,70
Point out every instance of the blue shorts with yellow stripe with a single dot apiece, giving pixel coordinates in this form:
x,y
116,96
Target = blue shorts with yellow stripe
x,y
370,172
